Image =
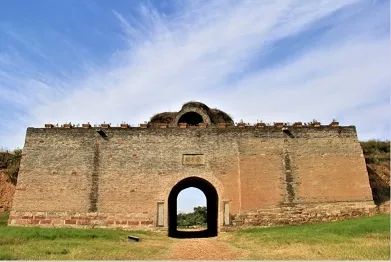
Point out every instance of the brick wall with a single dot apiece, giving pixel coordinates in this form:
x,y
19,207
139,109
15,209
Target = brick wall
x,y
76,177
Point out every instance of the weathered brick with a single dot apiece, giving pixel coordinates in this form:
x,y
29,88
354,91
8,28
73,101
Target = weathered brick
x,y
70,221
83,222
117,176
45,221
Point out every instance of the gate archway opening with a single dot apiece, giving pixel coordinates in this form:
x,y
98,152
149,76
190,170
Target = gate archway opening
x,y
211,206
191,210
191,118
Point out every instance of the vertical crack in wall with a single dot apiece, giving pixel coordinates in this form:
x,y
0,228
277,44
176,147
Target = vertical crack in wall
x,y
95,180
289,178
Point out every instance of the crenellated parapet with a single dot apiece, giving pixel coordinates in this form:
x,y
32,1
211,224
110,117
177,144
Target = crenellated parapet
x,y
182,125
198,115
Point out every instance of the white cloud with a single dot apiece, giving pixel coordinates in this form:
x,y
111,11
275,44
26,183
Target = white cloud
x,y
189,198
191,56
320,84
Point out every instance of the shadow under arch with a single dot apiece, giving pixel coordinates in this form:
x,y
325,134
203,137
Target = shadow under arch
x,y
211,206
191,118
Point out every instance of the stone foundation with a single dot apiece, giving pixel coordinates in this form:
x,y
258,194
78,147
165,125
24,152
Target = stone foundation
x,y
384,207
283,215
77,220
293,214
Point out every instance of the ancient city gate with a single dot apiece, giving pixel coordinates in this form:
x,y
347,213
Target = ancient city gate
x,y
212,207
130,177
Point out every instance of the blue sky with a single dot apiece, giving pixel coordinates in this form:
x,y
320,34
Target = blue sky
x,y
114,61
189,198
93,61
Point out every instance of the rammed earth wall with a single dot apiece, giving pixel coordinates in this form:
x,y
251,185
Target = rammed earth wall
x,y
119,177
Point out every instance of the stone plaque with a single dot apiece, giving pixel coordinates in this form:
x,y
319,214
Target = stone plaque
x,y
193,159
226,214
160,214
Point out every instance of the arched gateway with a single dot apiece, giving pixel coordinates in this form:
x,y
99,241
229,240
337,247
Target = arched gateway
x,y
130,177
211,205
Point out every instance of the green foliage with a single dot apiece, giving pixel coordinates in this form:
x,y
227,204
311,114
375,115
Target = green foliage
x,y
10,162
196,218
371,146
377,157
376,151
5,157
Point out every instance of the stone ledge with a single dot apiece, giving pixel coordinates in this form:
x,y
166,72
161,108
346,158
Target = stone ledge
x,y
72,219
306,213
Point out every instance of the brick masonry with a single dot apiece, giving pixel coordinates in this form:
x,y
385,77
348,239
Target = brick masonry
x,y
69,173
79,177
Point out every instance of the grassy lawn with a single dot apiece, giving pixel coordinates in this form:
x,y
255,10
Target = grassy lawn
x,y
361,238
62,243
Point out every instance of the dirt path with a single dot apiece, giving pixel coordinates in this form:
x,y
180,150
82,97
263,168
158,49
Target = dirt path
x,y
203,248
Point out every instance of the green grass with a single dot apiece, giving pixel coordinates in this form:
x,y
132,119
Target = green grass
x,y
3,219
360,238
64,243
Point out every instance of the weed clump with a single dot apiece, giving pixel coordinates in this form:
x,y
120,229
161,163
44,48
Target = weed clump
x,y
10,162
